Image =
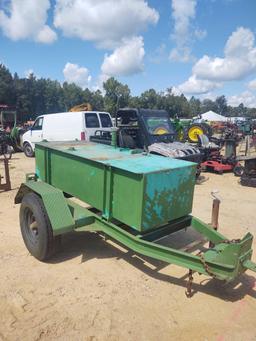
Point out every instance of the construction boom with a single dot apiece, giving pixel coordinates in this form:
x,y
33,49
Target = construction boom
x,y
82,107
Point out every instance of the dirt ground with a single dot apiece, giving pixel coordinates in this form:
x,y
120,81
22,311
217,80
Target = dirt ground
x,y
96,290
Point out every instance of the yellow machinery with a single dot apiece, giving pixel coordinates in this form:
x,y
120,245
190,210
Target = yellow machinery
x,y
82,107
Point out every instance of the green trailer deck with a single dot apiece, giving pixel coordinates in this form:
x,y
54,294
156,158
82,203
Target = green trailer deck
x,y
133,197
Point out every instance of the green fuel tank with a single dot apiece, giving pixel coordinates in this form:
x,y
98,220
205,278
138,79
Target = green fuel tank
x,y
142,191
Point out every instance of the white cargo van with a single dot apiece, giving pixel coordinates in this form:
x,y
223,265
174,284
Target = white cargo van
x,y
65,126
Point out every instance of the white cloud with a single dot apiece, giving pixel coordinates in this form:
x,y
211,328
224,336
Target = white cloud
x,y
176,91
98,85
26,19
240,43
198,86
127,59
252,84
183,12
246,97
104,22
158,55
200,34
73,73
46,35
181,54
209,95
239,60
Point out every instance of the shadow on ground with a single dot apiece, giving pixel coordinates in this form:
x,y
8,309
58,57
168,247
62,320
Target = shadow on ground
x,y
93,245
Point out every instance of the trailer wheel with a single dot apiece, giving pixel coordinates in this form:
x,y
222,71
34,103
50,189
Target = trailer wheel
x,y
36,228
28,151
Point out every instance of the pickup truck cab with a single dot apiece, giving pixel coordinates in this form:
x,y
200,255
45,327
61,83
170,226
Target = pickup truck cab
x,y
65,126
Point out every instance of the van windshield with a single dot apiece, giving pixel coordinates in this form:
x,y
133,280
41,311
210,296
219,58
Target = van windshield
x,y
38,125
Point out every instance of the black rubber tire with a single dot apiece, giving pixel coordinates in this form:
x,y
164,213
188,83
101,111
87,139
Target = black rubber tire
x,y
38,238
238,170
248,181
28,151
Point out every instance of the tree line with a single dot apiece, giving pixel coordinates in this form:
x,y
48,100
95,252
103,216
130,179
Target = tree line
x,y
33,96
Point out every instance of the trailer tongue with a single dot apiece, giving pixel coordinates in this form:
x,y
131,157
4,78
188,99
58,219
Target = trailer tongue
x,y
135,198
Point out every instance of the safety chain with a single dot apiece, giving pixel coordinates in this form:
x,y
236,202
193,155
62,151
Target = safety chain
x,y
188,291
206,266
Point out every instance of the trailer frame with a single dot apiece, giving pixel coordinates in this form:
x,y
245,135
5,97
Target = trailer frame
x,y
225,260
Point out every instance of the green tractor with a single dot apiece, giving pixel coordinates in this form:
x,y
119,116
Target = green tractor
x,y
181,128
190,129
246,127
8,124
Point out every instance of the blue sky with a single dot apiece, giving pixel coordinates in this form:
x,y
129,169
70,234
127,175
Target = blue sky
x,y
199,47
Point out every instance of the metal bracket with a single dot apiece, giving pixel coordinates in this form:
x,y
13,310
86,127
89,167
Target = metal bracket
x,y
7,185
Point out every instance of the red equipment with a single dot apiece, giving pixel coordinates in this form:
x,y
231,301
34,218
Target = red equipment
x,y
216,162
218,166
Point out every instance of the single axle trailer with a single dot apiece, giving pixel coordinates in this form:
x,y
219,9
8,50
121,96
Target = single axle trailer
x,y
134,198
